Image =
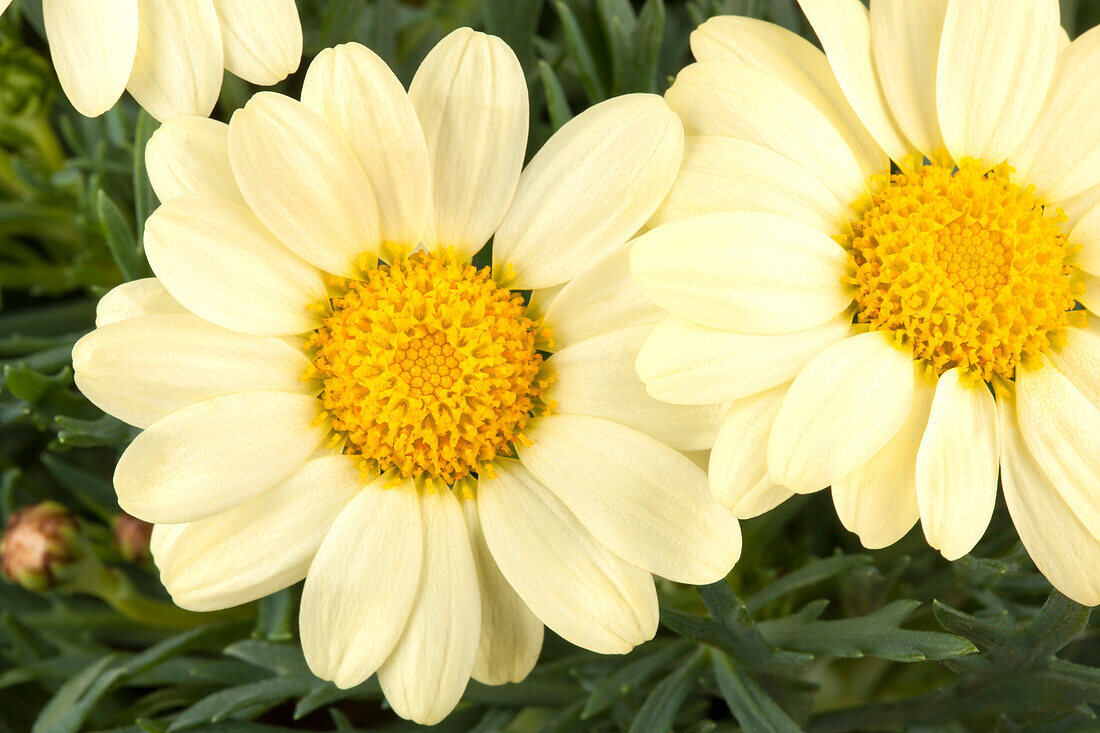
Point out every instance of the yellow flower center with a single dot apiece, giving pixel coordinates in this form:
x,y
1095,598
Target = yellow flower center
x,y
428,366
963,265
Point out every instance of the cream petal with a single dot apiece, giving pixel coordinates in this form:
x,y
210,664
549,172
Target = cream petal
x,y
261,39
840,411
740,101
686,363
144,368
259,547
723,174
878,501
354,89
986,106
1091,297
211,456
603,298
1079,359
511,636
220,262
589,189
425,676
191,155
739,459
743,271
648,503
798,64
1060,544
361,585
1061,428
1077,206
957,465
844,29
1086,232
905,37
581,590
304,183
78,32
471,98
178,65
142,297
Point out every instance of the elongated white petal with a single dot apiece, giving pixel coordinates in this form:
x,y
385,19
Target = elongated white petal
x,y
1060,544
585,593
220,262
844,28
141,369
1079,360
142,297
736,100
648,503
842,408
426,674
259,547
361,585
511,636
798,64
602,298
1091,298
686,363
986,106
179,61
471,98
352,88
589,189
1087,234
739,459
302,180
905,37
261,39
878,501
743,271
78,32
1062,430
723,174
191,155
211,456
957,465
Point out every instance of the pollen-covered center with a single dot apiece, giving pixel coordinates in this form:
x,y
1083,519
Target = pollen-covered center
x,y
962,264
428,367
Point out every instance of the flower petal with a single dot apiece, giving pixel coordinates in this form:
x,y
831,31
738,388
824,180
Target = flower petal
x,y
842,408
352,88
361,585
471,98
648,503
144,368
685,363
142,297
986,106
259,547
425,676
1086,232
178,65
303,182
211,456
573,583
105,30
1079,358
743,271
220,262
589,189
191,155
261,39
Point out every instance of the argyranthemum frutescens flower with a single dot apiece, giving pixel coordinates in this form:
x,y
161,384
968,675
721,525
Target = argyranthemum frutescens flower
x,y
928,315
312,412
169,54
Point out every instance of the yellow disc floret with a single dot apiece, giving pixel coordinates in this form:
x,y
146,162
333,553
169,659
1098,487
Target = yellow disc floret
x,y
963,265
428,366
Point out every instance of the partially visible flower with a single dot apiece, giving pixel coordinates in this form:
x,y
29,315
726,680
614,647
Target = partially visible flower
x,y
131,536
37,544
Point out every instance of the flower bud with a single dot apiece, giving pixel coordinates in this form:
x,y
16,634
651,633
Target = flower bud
x,y
37,543
131,537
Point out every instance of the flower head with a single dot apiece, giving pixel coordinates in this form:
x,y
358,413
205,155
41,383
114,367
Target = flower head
x,y
37,544
331,390
885,255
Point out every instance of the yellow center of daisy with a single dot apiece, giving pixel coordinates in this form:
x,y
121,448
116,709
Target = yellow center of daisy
x,y
963,265
428,366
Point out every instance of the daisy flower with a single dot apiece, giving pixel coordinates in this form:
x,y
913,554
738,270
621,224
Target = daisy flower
x,y
330,390
169,54
883,255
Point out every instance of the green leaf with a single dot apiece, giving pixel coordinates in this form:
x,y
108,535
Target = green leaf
x,y
280,658
70,705
753,708
104,431
278,615
813,572
629,677
580,54
659,710
557,106
124,248
263,694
